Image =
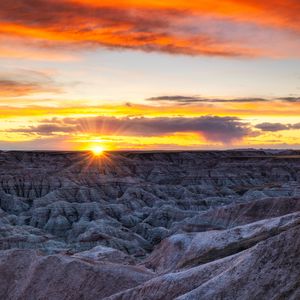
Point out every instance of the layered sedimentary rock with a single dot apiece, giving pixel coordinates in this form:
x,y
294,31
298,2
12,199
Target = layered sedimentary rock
x,y
186,225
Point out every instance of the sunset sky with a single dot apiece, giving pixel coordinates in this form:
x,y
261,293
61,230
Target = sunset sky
x,y
149,74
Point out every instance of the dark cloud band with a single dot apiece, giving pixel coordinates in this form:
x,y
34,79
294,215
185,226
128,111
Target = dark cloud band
x,y
216,129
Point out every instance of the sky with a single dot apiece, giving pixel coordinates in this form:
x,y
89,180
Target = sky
x,y
149,74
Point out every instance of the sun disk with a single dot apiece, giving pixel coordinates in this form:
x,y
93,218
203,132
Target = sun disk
x,y
97,150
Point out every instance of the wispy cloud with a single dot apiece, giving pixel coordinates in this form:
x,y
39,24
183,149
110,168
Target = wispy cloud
x,y
27,82
198,99
273,127
185,100
290,99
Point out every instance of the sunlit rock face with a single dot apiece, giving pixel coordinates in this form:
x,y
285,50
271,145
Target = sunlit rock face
x,y
178,225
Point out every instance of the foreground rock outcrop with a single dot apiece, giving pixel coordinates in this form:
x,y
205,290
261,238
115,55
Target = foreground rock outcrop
x,y
180,225
24,274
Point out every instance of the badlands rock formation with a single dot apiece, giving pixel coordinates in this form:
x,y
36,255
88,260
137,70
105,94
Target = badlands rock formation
x,y
134,225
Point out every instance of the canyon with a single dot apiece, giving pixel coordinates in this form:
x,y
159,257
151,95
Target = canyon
x,y
150,225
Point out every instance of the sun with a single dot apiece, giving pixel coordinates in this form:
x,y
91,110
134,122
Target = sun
x,y
97,150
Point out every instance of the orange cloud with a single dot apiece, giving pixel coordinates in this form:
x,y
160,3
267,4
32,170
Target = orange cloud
x,y
178,26
274,12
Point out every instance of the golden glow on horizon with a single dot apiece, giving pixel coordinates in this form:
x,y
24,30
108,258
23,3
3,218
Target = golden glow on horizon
x,y
238,109
20,131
